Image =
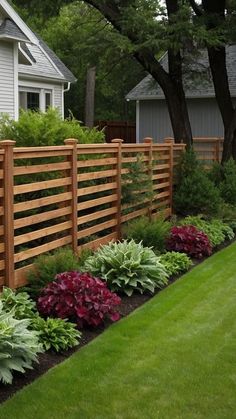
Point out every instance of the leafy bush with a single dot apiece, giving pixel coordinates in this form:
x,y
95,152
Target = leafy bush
x,y
127,266
23,306
175,262
45,129
18,345
152,233
46,267
228,184
216,230
56,334
189,240
79,297
195,193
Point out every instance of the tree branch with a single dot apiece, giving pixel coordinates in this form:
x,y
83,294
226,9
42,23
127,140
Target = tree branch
x,y
196,8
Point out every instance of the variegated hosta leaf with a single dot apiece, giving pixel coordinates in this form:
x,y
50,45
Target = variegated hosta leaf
x,y
127,266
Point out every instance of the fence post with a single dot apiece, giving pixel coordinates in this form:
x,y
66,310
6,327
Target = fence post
x,y
119,142
171,142
8,205
217,150
149,140
74,190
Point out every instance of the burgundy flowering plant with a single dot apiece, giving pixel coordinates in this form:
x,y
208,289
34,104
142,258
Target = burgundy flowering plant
x,y
79,297
188,239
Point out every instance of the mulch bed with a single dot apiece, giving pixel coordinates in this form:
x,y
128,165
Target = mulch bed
x,y
50,359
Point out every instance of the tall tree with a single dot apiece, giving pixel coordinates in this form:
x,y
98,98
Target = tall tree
x,y
216,16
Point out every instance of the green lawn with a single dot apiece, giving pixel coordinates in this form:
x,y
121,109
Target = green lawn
x,y
174,358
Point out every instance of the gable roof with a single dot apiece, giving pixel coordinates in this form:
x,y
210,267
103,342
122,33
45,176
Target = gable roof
x,y
197,82
43,61
9,30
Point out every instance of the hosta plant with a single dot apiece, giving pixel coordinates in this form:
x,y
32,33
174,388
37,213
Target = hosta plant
x,y
127,266
189,240
21,302
18,345
175,262
56,334
79,297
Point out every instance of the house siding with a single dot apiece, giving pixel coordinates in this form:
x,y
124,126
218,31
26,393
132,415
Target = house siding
x,y
58,98
42,66
204,116
7,103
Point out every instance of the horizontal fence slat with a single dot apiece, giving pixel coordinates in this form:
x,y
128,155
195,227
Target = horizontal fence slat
x,y
28,254
96,162
96,202
40,186
96,215
98,242
97,188
134,214
39,218
95,229
96,175
42,202
41,168
46,231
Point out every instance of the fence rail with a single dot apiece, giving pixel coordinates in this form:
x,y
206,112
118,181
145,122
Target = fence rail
x,y
71,195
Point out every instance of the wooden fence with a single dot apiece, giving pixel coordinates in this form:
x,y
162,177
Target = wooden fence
x,y
208,149
71,195
118,129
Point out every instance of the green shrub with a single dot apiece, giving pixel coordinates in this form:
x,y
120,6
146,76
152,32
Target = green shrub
x,y
56,334
45,129
24,307
175,262
47,266
152,233
127,266
216,230
227,186
18,345
195,193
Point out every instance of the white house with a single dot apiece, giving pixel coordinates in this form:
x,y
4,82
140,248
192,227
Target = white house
x,y
31,75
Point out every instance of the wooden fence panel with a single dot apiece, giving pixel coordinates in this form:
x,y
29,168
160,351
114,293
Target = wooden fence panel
x,y
71,195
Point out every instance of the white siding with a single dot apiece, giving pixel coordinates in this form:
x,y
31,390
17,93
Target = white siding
x,y
7,78
42,66
58,98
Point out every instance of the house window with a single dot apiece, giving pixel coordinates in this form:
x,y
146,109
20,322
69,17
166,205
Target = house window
x,y
35,99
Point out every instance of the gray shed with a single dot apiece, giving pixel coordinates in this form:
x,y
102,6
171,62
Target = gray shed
x,y
152,117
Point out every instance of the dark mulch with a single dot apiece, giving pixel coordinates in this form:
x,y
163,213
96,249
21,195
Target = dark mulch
x,y
50,359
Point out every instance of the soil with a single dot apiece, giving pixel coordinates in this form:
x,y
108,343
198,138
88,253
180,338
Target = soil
x,y
50,359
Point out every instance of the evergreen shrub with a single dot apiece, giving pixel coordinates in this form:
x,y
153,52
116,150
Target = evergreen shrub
x,y
195,193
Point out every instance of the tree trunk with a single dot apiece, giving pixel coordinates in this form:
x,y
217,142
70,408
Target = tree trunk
x,y
90,94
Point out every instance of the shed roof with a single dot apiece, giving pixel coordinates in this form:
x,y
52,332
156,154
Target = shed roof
x,y
197,79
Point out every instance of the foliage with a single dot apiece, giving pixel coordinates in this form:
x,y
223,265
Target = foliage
x,y
137,183
45,129
79,297
228,214
175,262
227,185
127,266
56,334
24,307
195,193
46,267
152,233
216,230
18,345
189,240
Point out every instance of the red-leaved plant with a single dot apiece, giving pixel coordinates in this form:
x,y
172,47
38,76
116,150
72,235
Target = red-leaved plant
x,y
188,239
80,298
